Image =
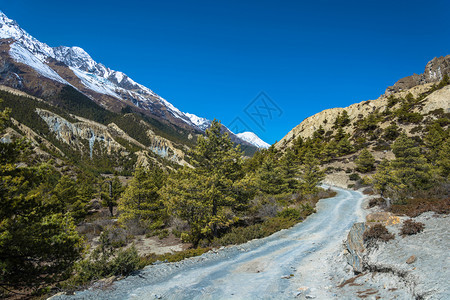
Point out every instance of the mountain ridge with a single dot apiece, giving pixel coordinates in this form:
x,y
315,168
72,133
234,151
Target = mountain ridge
x,y
73,66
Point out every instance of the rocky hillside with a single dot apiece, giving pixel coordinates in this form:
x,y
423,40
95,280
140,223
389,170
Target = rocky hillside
x,y
54,74
416,85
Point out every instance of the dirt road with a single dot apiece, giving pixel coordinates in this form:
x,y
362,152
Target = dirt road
x,y
293,263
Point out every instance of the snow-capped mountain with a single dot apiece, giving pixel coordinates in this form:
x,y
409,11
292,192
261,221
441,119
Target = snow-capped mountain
x,y
253,139
93,76
33,62
248,137
200,122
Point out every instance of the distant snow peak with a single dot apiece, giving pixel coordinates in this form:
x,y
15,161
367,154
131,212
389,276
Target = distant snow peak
x,y
201,123
253,139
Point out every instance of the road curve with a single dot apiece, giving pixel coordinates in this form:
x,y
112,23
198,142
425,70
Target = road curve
x,y
277,267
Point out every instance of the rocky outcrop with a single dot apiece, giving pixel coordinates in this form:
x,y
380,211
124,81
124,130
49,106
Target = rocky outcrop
x,y
77,134
436,100
84,134
434,72
407,267
355,247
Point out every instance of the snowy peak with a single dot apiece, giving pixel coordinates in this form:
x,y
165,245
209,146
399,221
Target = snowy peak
x,y
253,139
201,123
94,77
74,57
109,88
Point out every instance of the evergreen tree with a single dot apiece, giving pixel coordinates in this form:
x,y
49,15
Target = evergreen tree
x,y
311,175
270,178
391,132
38,243
344,146
207,196
111,190
342,120
433,141
365,162
141,203
407,173
289,167
443,159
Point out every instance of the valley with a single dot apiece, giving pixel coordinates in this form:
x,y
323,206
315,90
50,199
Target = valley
x,y
108,191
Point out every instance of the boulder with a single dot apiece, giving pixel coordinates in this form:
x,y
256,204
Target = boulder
x,y
355,246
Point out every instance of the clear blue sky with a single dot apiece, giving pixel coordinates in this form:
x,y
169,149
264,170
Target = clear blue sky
x,y
212,58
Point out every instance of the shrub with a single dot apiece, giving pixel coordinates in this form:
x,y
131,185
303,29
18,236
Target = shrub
x,y
125,262
411,227
377,232
290,213
172,257
354,177
376,201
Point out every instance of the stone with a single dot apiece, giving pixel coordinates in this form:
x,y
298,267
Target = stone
x,y
355,246
411,259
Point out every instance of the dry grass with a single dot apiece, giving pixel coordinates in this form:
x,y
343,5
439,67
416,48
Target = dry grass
x,y
411,227
377,232
417,206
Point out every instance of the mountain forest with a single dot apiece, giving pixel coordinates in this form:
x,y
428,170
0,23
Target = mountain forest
x,y
92,181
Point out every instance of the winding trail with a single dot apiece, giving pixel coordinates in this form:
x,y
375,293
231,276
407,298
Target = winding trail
x,y
276,267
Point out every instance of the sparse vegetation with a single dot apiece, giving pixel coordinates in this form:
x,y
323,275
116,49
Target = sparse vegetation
x,y
375,233
411,227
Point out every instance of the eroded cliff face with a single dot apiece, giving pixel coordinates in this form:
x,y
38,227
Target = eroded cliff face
x,y
85,135
77,134
436,100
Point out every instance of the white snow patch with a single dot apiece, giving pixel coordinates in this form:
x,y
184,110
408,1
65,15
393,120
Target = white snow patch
x,y
95,83
200,122
253,139
22,55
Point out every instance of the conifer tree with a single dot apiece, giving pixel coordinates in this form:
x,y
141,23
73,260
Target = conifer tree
x,y
38,243
207,196
404,175
141,203
311,175
289,167
111,190
270,178
365,162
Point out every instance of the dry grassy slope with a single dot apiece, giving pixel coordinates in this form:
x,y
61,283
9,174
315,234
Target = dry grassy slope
x,y
326,118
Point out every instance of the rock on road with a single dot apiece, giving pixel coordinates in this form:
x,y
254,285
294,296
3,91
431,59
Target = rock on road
x,y
291,263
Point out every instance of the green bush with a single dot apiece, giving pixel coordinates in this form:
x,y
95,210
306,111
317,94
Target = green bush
x,y
172,257
354,177
125,262
290,213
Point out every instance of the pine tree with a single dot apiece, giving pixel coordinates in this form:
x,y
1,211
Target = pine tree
x,y
38,243
289,167
141,203
270,178
111,190
365,162
407,173
207,196
311,175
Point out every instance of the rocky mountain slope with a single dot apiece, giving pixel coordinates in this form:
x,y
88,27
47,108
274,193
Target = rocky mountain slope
x,y
73,106
415,84
39,70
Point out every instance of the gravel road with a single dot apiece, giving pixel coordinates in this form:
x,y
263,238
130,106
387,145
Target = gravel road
x,y
293,263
